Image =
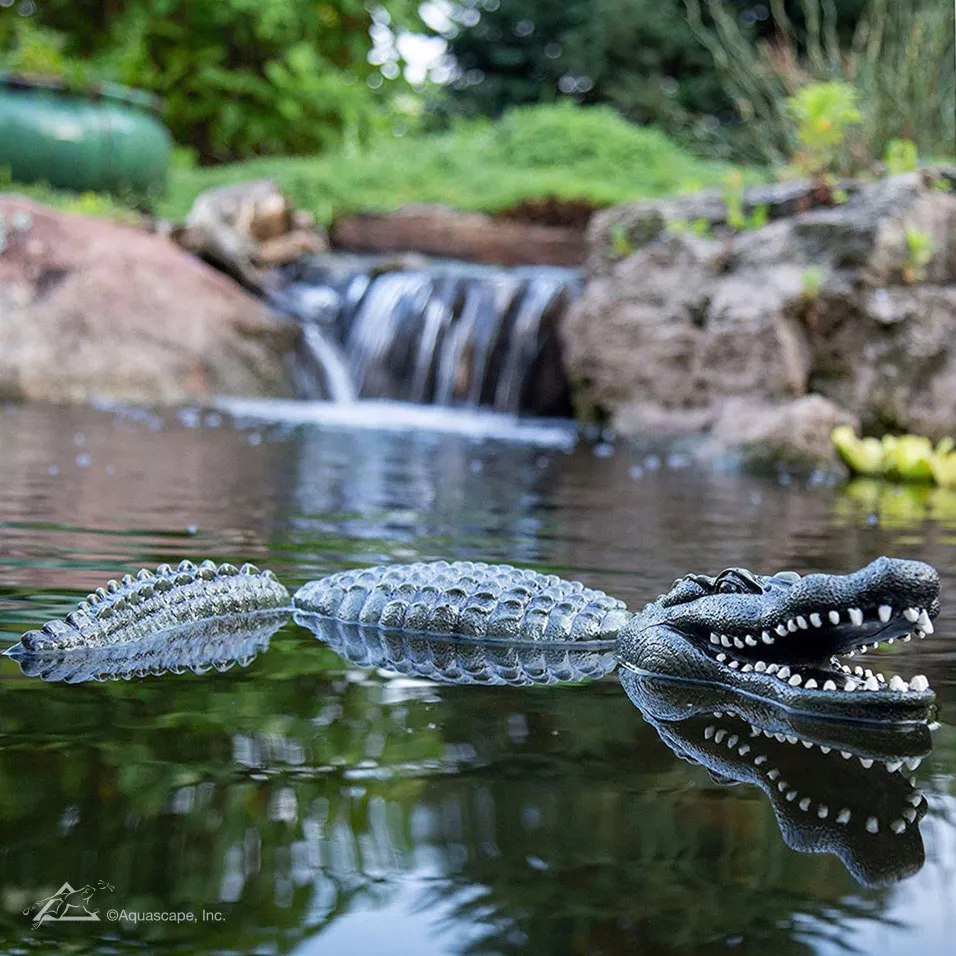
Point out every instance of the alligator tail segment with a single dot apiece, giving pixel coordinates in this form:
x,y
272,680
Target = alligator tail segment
x,y
467,599
155,601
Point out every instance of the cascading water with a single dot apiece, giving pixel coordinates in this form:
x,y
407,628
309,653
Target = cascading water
x,y
443,333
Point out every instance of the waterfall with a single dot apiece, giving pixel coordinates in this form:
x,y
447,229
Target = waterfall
x,y
440,332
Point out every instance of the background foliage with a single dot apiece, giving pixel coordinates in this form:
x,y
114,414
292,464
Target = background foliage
x,y
238,77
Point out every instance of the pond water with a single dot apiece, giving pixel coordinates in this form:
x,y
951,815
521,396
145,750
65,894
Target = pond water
x,y
304,803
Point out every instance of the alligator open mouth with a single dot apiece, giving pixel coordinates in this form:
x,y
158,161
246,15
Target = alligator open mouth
x,y
790,634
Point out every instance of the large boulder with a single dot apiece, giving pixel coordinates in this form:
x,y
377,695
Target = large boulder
x,y
682,319
90,308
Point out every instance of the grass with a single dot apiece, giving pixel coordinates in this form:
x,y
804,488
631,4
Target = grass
x,y
563,152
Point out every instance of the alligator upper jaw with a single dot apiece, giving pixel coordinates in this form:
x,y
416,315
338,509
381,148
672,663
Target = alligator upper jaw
x,y
799,634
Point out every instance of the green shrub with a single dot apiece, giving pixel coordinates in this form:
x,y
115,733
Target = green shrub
x,y
824,113
901,156
564,152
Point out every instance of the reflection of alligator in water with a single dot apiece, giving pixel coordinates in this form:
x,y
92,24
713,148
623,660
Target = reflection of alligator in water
x,y
456,660
198,646
841,787
776,637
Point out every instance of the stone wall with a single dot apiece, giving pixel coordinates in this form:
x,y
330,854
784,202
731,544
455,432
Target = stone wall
x,y
681,329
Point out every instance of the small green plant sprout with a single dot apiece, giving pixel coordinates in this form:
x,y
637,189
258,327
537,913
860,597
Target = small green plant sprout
x,y
901,156
919,252
811,280
943,463
823,113
699,227
733,195
621,245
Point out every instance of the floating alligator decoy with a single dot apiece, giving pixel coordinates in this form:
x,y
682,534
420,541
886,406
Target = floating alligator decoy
x,y
779,637
740,673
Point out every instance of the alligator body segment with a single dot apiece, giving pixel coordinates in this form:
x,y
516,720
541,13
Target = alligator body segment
x,y
467,599
156,601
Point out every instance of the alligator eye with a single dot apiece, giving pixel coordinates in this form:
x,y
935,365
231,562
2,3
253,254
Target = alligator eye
x,y
729,587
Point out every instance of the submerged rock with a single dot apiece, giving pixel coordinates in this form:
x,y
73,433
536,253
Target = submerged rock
x,y
90,308
684,324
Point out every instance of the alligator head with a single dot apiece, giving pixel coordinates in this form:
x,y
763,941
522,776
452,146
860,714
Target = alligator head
x,y
836,786
781,636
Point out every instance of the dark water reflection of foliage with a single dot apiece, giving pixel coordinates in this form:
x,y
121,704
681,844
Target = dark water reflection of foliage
x,y
302,797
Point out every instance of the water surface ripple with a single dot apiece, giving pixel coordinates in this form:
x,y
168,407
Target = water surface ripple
x,y
315,803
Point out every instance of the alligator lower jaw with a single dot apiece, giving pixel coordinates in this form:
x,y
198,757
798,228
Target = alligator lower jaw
x,y
795,651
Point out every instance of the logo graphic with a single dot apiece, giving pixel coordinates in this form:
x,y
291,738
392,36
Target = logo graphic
x,y
67,904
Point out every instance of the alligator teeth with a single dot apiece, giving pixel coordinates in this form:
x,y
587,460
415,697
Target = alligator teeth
x,y
781,629
873,825
816,620
761,758
734,664
919,683
885,612
925,623
791,795
749,641
834,617
897,683
858,671
773,774
760,666
811,684
913,762
709,732
897,826
802,622
907,638
784,672
866,762
872,683
773,668
714,639
804,804
725,640
823,811
826,750
719,736
766,638
919,633
738,642
843,816
732,741
743,750
721,658
747,668
792,626
829,685
850,685
911,614
856,616
795,681
909,814
893,765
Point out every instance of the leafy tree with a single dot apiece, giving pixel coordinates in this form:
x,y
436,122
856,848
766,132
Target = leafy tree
x,y
640,56
238,77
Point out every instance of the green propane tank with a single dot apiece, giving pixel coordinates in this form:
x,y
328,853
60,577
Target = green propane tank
x,y
107,138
